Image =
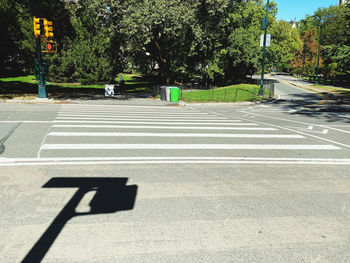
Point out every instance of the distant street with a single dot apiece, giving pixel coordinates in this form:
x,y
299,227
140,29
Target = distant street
x,y
87,182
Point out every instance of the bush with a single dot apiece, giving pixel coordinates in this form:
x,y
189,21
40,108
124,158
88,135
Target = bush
x,y
296,72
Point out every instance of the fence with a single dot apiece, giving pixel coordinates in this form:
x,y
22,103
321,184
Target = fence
x,y
209,93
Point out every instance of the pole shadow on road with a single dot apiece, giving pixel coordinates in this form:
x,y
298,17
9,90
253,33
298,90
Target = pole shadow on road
x,y
112,195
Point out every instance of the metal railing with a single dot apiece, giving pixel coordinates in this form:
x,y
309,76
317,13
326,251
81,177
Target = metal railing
x,y
189,92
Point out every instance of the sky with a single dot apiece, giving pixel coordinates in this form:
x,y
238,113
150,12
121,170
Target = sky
x,y
290,9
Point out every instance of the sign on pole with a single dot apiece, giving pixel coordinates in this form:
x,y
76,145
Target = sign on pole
x,y
268,40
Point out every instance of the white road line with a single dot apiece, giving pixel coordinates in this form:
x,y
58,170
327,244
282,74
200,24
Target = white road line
x,y
166,160
284,128
192,122
87,106
162,127
133,117
188,147
173,162
153,122
344,126
309,129
133,158
135,113
335,129
43,141
288,120
97,121
192,135
140,120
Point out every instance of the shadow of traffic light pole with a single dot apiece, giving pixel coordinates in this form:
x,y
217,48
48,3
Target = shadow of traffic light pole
x,y
112,195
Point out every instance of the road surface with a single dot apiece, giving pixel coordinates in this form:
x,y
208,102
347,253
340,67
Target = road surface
x,y
196,183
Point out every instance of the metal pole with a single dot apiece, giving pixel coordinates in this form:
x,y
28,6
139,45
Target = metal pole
x,y
261,91
318,55
41,88
304,54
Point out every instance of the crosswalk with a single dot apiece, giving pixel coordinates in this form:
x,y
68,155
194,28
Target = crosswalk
x,y
141,134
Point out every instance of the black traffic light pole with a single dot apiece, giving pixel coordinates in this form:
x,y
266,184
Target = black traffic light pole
x,y
41,88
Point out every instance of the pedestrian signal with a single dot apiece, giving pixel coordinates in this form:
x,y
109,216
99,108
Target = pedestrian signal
x,y
51,47
48,46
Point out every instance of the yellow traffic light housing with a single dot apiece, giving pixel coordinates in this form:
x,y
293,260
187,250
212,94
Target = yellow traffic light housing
x,y
48,28
36,24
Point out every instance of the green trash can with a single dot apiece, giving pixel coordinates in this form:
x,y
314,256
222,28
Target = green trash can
x,y
174,94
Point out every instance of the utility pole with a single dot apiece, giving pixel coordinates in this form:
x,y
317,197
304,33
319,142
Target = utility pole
x,y
264,27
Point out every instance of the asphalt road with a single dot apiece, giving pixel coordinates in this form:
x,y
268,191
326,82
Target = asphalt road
x,y
196,183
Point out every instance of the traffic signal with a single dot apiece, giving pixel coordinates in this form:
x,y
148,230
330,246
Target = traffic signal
x,y
48,46
48,28
36,23
51,47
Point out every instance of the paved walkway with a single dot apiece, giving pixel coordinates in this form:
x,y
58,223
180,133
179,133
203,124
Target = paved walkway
x,y
120,100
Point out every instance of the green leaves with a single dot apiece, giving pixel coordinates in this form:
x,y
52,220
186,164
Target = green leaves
x,y
335,46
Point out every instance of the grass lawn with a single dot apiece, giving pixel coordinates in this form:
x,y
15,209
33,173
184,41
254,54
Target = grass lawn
x,y
241,92
343,93
24,87
331,88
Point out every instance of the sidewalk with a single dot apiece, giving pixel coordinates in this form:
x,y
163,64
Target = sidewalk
x,y
116,100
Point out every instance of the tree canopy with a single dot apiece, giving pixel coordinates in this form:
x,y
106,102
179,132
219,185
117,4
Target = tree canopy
x,y
335,42
202,40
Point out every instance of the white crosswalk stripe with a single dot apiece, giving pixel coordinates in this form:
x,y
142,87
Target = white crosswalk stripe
x,y
93,131
108,146
144,134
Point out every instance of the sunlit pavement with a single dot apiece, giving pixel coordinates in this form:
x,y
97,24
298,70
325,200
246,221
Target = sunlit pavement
x,y
195,183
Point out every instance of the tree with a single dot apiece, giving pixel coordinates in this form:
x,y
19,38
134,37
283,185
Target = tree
x,y
306,56
227,39
17,41
243,51
335,37
91,53
160,31
347,24
284,44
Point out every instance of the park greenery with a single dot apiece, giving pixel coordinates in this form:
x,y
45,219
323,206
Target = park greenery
x,y
172,41
335,45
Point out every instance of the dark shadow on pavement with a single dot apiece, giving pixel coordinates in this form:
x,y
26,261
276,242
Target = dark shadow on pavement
x,y
112,195
13,89
311,105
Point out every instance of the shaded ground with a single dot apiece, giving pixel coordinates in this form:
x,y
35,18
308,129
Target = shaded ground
x,y
323,111
24,88
333,94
